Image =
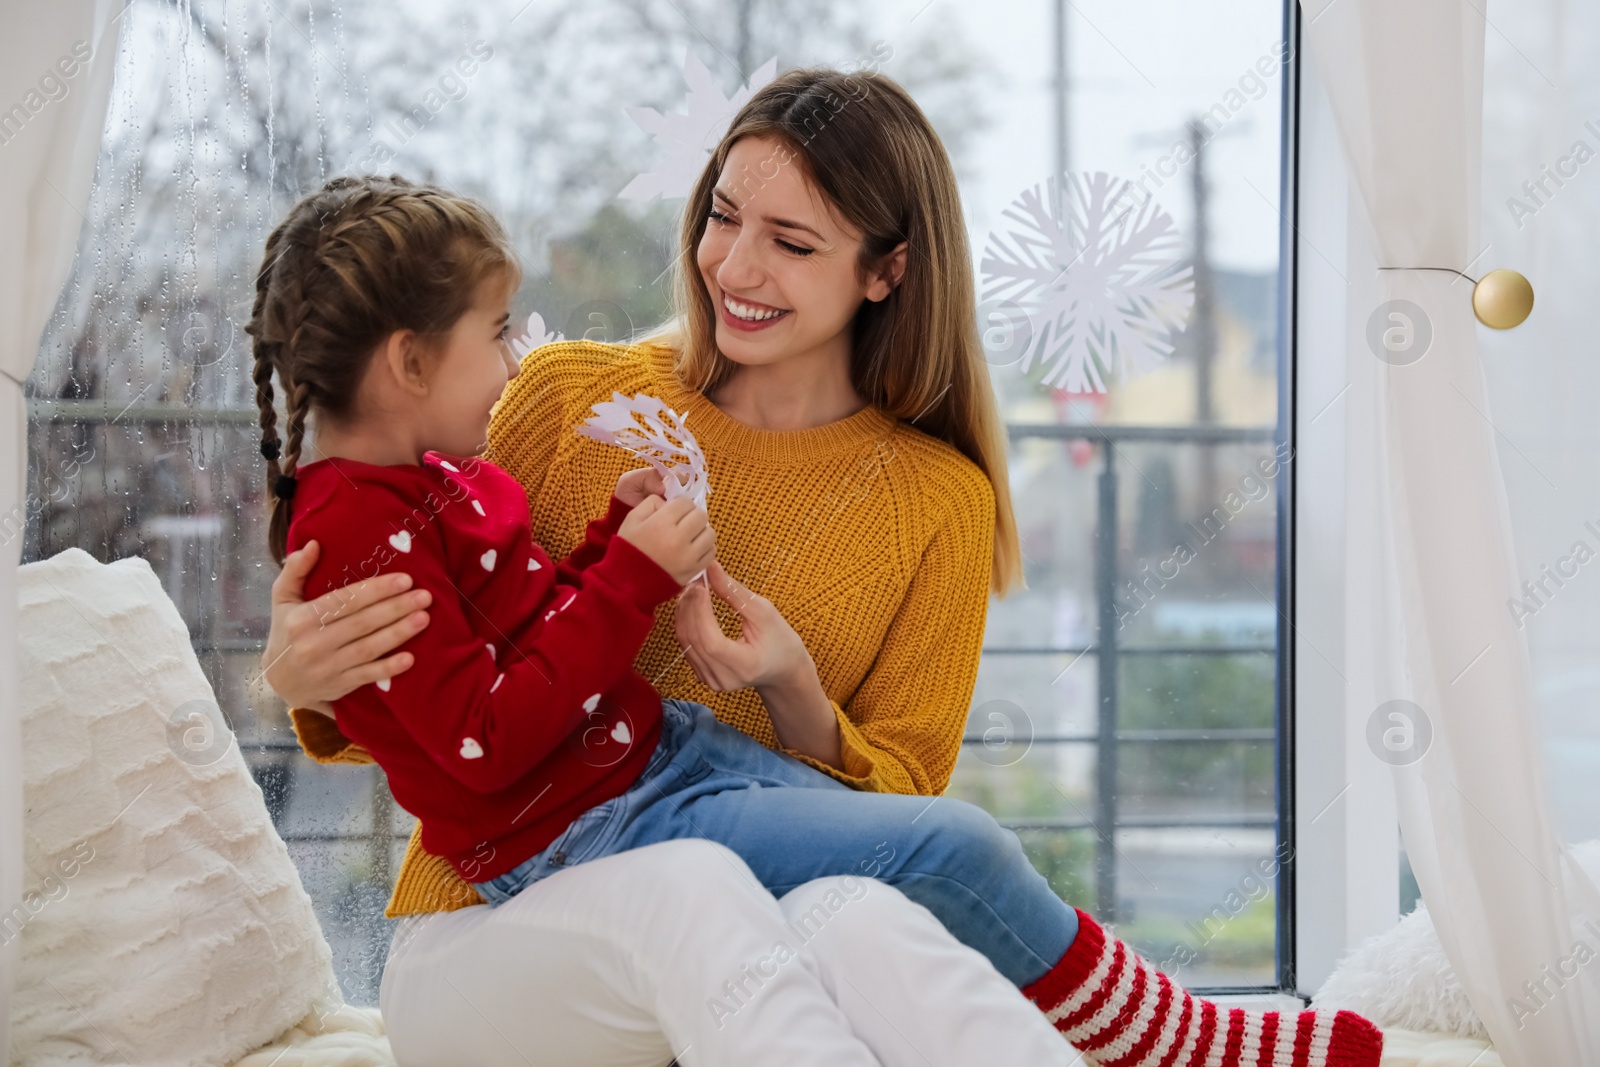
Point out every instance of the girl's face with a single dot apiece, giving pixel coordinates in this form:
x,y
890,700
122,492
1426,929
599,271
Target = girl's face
x,y
779,265
469,374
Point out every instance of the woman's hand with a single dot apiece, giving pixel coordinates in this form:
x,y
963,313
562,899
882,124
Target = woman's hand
x,y
768,657
319,651
767,653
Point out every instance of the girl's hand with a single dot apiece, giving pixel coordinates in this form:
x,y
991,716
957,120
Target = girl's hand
x,y
634,486
676,534
319,651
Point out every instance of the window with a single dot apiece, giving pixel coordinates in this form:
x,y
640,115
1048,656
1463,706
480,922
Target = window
x,y
1126,715
1126,719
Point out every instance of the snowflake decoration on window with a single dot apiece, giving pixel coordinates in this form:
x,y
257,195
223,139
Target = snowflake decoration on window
x,y
535,335
663,441
1095,267
690,136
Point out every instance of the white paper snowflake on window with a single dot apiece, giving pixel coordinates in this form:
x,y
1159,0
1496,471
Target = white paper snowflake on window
x,y
1096,267
663,441
535,335
690,136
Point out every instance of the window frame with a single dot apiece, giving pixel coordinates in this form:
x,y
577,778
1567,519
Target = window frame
x,y
1286,895
1343,823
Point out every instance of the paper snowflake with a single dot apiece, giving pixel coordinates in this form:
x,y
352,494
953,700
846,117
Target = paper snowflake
x,y
1096,266
690,136
536,335
663,441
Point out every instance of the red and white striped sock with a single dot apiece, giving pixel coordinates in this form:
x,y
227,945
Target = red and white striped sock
x,y
1119,1011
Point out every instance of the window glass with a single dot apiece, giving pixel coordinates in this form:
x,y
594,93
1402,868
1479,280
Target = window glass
x,y
225,112
1162,650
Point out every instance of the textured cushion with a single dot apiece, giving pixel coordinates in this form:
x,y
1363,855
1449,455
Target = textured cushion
x,y
164,923
1402,980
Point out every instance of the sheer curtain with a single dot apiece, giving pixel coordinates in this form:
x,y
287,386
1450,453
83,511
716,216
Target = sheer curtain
x,y
56,61
1430,551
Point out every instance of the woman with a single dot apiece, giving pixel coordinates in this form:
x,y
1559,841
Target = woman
x,y
858,485
826,353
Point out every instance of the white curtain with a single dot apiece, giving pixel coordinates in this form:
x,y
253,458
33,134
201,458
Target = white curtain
x,y
1430,554
56,60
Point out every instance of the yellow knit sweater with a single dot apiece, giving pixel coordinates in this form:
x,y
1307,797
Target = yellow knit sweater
x,y
871,538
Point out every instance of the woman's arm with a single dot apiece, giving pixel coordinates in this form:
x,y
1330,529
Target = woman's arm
x,y
902,727
768,657
900,731
320,650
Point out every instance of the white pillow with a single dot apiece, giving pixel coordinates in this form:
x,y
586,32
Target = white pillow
x,y
1401,978
164,923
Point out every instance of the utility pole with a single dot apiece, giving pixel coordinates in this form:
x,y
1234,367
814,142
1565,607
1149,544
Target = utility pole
x,y
1203,324
1063,144
743,44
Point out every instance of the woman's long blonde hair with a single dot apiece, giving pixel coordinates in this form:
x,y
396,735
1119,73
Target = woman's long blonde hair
x,y
915,355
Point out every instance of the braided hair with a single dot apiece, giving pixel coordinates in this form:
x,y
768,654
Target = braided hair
x,y
348,266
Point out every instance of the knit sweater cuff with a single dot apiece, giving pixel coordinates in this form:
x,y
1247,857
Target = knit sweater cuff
x,y
616,511
627,569
319,736
427,883
859,757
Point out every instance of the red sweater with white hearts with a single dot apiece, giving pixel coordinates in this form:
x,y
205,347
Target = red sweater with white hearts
x,y
522,708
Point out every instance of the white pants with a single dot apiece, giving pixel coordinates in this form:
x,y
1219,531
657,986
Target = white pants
x,y
676,950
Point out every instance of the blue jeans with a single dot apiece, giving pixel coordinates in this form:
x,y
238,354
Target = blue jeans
x,y
792,823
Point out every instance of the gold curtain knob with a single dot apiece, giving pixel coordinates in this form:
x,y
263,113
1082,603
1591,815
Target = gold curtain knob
x,y
1502,299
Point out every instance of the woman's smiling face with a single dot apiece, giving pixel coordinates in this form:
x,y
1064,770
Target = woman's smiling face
x,y
780,266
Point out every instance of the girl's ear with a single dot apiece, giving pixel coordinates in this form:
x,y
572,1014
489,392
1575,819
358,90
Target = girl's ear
x,y
403,358
888,274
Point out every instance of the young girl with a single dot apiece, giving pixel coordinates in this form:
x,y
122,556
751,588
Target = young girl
x,y
521,737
